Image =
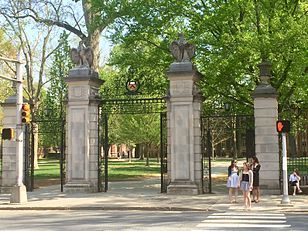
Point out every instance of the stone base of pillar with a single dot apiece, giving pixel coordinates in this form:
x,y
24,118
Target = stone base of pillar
x,y
19,194
183,188
265,191
5,189
73,187
269,188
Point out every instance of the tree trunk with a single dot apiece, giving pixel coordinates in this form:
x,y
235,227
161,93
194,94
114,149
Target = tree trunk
x,y
148,155
94,32
35,130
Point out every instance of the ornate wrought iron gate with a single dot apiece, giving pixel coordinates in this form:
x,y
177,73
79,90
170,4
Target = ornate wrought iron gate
x,y
129,106
224,136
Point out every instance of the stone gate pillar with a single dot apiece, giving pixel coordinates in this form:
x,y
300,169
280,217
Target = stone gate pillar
x,y
9,173
266,136
184,132
82,130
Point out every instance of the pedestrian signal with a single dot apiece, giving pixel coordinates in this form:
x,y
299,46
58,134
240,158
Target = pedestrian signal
x,y
7,134
25,113
283,126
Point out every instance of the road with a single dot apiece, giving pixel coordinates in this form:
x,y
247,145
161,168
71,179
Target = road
x,y
93,220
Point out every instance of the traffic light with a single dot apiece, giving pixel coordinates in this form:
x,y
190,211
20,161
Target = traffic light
x,y
7,134
25,113
283,126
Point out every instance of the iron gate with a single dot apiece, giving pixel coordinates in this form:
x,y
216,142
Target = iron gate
x,y
54,130
129,106
224,136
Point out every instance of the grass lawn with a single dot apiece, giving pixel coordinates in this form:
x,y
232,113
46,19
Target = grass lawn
x,y
134,170
117,169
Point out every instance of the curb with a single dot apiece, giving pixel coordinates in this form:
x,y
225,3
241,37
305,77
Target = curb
x,y
107,208
126,208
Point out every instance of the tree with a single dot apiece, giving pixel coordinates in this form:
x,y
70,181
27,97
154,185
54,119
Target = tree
x,y
66,15
52,109
36,49
6,50
232,38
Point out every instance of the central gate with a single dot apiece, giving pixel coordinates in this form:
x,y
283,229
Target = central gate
x,y
230,136
132,106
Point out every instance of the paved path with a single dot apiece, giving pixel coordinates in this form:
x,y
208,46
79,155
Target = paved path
x,y
143,195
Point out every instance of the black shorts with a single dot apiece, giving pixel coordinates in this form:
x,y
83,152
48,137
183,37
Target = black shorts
x,y
293,183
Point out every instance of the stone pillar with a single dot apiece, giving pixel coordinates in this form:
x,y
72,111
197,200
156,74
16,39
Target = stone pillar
x,y
82,130
184,132
9,173
266,136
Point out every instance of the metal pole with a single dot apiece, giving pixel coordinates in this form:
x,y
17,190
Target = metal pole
x,y
285,197
161,155
99,157
106,149
32,158
19,194
209,147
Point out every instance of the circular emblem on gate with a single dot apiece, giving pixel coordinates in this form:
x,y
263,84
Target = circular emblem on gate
x,y
132,86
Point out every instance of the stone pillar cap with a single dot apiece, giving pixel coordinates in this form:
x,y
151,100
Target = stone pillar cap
x,y
12,99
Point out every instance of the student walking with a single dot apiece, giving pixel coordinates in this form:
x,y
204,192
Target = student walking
x,y
246,182
233,181
256,188
294,181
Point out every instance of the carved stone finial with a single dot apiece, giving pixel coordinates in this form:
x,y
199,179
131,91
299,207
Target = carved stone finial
x,y
181,50
82,56
265,71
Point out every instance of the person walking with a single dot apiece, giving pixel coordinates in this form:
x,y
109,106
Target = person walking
x,y
233,181
256,188
246,182
294,181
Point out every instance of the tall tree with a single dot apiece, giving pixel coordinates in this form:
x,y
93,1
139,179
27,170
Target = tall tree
x,y
80,17
52,109
35,44
232,38
7,50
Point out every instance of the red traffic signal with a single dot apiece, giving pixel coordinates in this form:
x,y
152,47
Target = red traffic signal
x,y
283,126
25,113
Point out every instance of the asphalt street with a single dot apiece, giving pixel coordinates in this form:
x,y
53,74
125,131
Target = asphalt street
x,y
149,220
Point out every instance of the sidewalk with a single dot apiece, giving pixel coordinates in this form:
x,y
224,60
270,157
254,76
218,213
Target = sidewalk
x,y
144,195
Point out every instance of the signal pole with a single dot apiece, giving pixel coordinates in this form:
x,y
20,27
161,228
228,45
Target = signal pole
x,y
285,198
283,126
19,192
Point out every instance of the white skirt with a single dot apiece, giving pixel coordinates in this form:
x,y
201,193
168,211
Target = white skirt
x,y
233,181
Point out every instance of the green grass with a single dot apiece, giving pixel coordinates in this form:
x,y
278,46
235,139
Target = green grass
x,y
124,170
117,170
48,169
120,170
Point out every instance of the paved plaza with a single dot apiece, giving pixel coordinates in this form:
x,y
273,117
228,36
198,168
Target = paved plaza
x,y
145,195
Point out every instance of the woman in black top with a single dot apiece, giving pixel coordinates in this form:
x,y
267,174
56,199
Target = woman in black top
x,y
256,188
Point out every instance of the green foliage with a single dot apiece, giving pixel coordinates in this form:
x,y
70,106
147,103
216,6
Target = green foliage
x,y
52,108
6,50
232,38
134,129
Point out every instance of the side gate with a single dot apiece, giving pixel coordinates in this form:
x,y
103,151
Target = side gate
x,y
224,137
131,106
51,137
